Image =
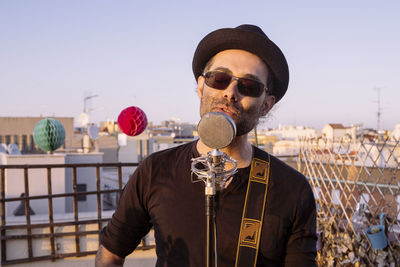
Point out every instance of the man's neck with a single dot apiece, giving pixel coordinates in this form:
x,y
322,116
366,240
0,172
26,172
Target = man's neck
x,y
239,149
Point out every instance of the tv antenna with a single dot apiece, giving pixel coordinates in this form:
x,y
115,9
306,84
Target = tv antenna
x,y
379,111
85,99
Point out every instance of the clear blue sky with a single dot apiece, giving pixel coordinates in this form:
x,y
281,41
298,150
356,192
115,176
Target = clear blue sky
x,y
53,53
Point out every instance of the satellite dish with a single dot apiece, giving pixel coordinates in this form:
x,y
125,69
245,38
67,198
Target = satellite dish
x,y
13,149
93,132
3,148
83,120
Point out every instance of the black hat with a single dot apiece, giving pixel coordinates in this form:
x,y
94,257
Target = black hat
x,y
249,38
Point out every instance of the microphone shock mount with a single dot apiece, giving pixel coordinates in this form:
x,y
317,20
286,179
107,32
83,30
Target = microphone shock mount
x,y
211,170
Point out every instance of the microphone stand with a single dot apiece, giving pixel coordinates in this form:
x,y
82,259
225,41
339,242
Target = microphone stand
x,y
216,167
214,178
210,200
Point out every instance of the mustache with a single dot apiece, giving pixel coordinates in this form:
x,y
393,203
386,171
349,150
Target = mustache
x,y
229,105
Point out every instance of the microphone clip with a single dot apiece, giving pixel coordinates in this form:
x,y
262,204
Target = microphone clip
x,y
212,169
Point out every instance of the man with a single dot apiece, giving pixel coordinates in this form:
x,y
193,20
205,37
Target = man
x,y
241,73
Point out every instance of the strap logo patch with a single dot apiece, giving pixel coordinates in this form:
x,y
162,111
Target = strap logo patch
x,y
259,171
249,233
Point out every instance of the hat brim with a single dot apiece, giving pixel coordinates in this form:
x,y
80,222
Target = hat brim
x,y
234,38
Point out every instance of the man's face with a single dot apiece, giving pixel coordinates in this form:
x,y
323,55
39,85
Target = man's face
x,y
244,110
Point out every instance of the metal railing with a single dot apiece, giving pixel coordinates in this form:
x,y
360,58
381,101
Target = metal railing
x,y
32,231
354,181
343,174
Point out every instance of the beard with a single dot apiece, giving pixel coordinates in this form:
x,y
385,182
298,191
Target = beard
x,y
245,120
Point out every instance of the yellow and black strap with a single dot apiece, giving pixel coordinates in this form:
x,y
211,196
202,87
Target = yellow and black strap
x,y
253,213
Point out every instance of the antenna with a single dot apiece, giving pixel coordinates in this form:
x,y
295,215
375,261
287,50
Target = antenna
x,y
379,111
85,99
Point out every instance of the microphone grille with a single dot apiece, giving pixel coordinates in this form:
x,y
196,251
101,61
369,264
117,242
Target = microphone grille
x,y
216,130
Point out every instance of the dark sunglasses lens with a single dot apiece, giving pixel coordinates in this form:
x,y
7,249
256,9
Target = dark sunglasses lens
x,y
249,87
221,80
218,80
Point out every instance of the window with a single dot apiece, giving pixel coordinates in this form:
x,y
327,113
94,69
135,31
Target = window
x,y
81,188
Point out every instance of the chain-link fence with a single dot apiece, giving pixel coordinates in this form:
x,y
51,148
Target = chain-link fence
x,y
355,182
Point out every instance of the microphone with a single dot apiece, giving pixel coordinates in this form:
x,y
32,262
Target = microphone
x,y
132,121
216,130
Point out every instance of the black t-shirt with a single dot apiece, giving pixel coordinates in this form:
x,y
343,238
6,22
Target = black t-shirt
x,y
161,194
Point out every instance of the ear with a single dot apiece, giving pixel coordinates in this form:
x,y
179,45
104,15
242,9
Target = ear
x,y
200,86
269,102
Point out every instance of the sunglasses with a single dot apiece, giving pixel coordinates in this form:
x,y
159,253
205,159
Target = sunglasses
x,y
221,80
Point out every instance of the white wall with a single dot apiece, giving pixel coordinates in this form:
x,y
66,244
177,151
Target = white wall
x,y
128,149
14,182
396,132
61,180
286,147
371,155
134,148
83,176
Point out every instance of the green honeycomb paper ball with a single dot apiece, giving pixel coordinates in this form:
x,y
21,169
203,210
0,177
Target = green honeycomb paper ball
x,y
49,134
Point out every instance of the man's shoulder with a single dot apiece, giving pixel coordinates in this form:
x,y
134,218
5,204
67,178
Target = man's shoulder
x,y
281,171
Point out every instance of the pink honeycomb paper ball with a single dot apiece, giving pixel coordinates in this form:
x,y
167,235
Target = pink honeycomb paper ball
x,y
132,121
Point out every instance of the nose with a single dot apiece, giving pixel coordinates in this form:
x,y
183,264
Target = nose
x,y
231,92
